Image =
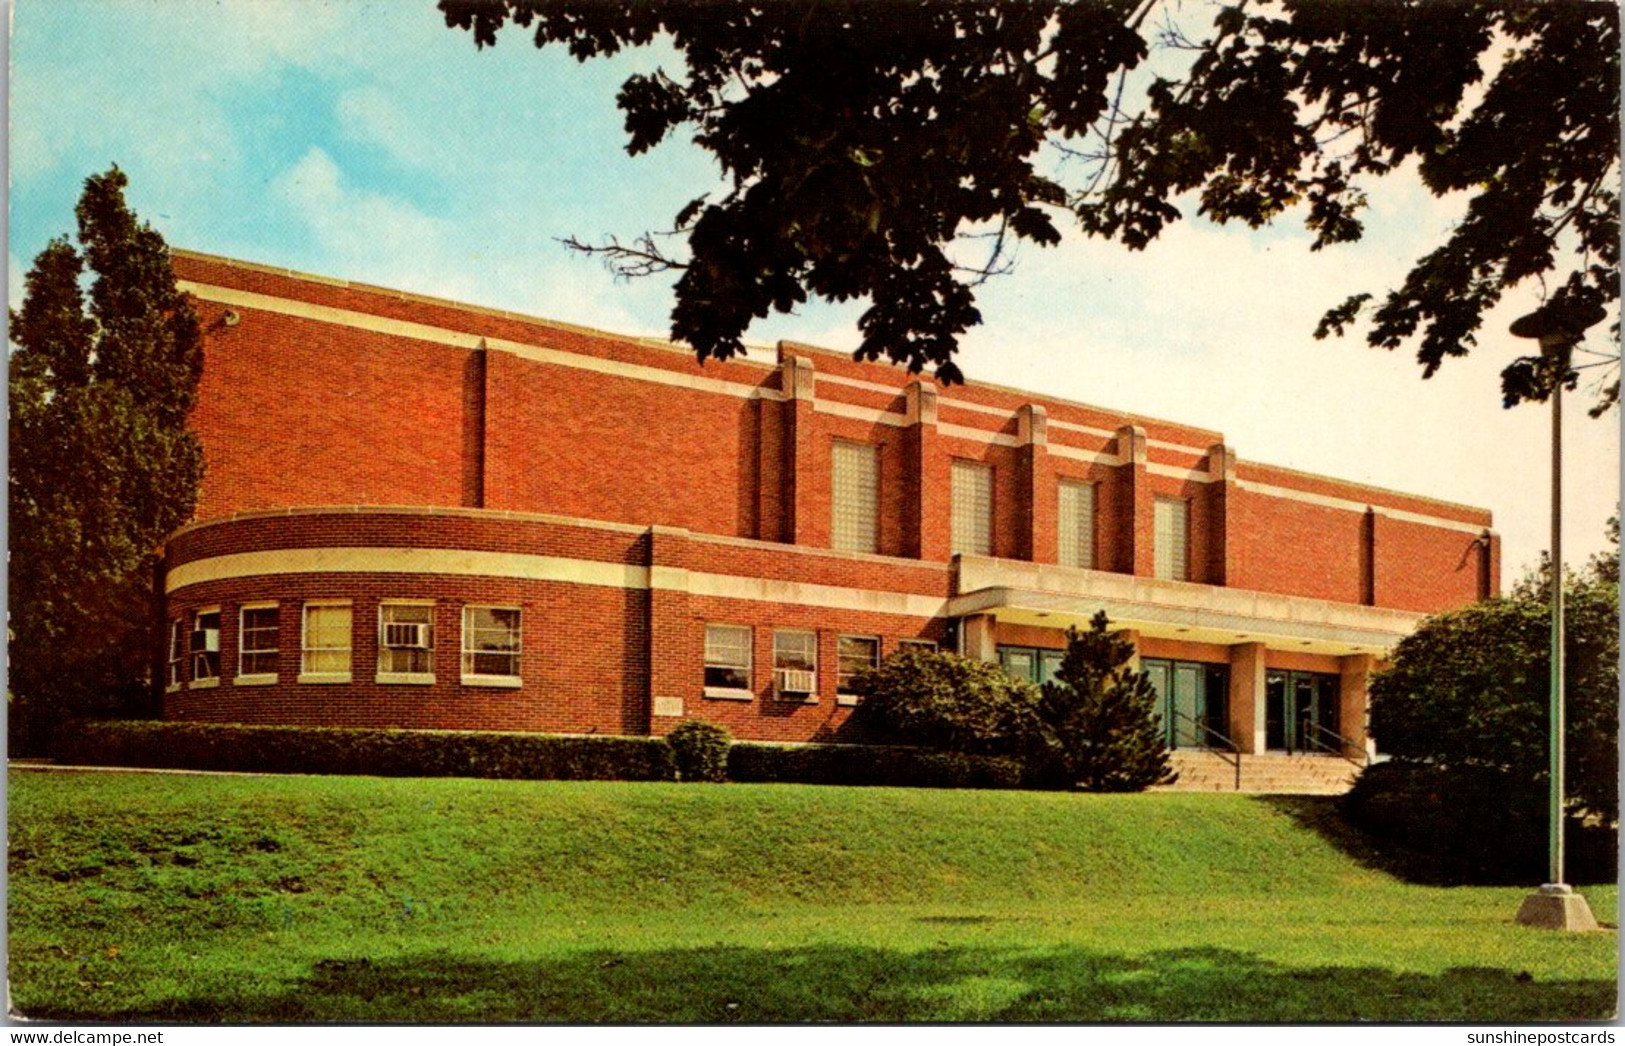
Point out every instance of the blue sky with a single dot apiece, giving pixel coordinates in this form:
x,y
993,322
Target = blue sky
x,y
367,141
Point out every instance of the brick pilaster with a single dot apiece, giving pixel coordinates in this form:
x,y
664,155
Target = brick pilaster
x,y
675,654
1222,514
1136,524
925,490
1036,489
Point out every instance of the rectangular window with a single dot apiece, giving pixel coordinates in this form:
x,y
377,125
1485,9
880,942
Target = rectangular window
x,y
854,497
206,647
491,646
326,646
920,645
257,644
177,652
971,506
853,654
795,664
1172,539
727,658
406,643
1076,512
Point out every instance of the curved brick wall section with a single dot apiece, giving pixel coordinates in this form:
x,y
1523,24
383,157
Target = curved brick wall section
x,y
599,646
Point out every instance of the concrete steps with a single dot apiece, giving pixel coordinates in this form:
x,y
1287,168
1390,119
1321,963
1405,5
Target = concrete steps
x,y
1271,773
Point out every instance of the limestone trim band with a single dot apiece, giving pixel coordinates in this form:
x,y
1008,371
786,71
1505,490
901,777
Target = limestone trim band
x,y
525,567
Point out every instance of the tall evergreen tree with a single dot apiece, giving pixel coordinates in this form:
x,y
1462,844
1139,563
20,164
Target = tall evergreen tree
x,y
1101,715
102,467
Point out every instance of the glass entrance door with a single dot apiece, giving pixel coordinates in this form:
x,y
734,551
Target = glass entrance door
x,y
1298,708
1191,695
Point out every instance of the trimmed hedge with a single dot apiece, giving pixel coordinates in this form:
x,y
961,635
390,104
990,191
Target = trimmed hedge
x,y
344,750
895,765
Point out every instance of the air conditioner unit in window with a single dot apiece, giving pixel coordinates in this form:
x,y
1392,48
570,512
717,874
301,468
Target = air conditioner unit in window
x,y
206,641
795,681
406,636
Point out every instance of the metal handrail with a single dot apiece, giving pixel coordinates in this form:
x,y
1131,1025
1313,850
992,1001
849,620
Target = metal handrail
x,y
1230,752
1342,748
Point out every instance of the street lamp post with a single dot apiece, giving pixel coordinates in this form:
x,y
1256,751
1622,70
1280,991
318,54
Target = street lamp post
x,y
1555,905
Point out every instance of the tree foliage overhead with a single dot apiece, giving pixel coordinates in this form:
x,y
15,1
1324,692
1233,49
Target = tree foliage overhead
x,y
102,467
868,146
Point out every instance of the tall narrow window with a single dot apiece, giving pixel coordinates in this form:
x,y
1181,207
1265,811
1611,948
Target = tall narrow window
x,y
326,647
206,647
257,643
491,646
177,652
727,658
1076,512
854,497
1173,539
406,643
971,496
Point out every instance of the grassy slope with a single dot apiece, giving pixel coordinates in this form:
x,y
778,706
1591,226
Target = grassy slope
x,y
292,899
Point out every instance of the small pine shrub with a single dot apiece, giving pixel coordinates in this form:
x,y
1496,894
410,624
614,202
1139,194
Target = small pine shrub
x,y
1100,716
701,750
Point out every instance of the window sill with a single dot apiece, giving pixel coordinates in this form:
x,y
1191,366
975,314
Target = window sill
x,y
174,688
414,678
508,682
848,700
798,699
255,679
720,693
324,677
204,684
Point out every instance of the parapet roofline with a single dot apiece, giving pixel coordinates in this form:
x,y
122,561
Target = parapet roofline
x,y
781,351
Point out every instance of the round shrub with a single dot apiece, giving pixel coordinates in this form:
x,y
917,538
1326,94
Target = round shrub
x,y
701,750
940,700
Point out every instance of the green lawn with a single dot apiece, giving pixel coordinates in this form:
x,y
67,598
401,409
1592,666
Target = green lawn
x,y
359,899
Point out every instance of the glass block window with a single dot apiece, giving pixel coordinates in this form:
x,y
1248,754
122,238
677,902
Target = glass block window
x,y
326,647
406,638
1173,539
971,497
854,654
727,657
854,497
491,641
257,645
206,645
1076,512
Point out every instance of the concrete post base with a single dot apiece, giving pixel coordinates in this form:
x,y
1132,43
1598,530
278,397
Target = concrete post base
x,y
1555,906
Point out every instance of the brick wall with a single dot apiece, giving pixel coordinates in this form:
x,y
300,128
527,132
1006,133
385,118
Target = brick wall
x,y
299,411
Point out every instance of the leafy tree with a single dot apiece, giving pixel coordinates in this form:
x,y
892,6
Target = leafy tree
x,y
865,147
102,466
1100,716
1463,712
1471,688
941,700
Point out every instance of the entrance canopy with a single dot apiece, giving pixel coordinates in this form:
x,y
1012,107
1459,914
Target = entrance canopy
x,y
1050,596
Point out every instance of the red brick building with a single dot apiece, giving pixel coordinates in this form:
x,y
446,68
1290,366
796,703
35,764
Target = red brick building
x,y
418,513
